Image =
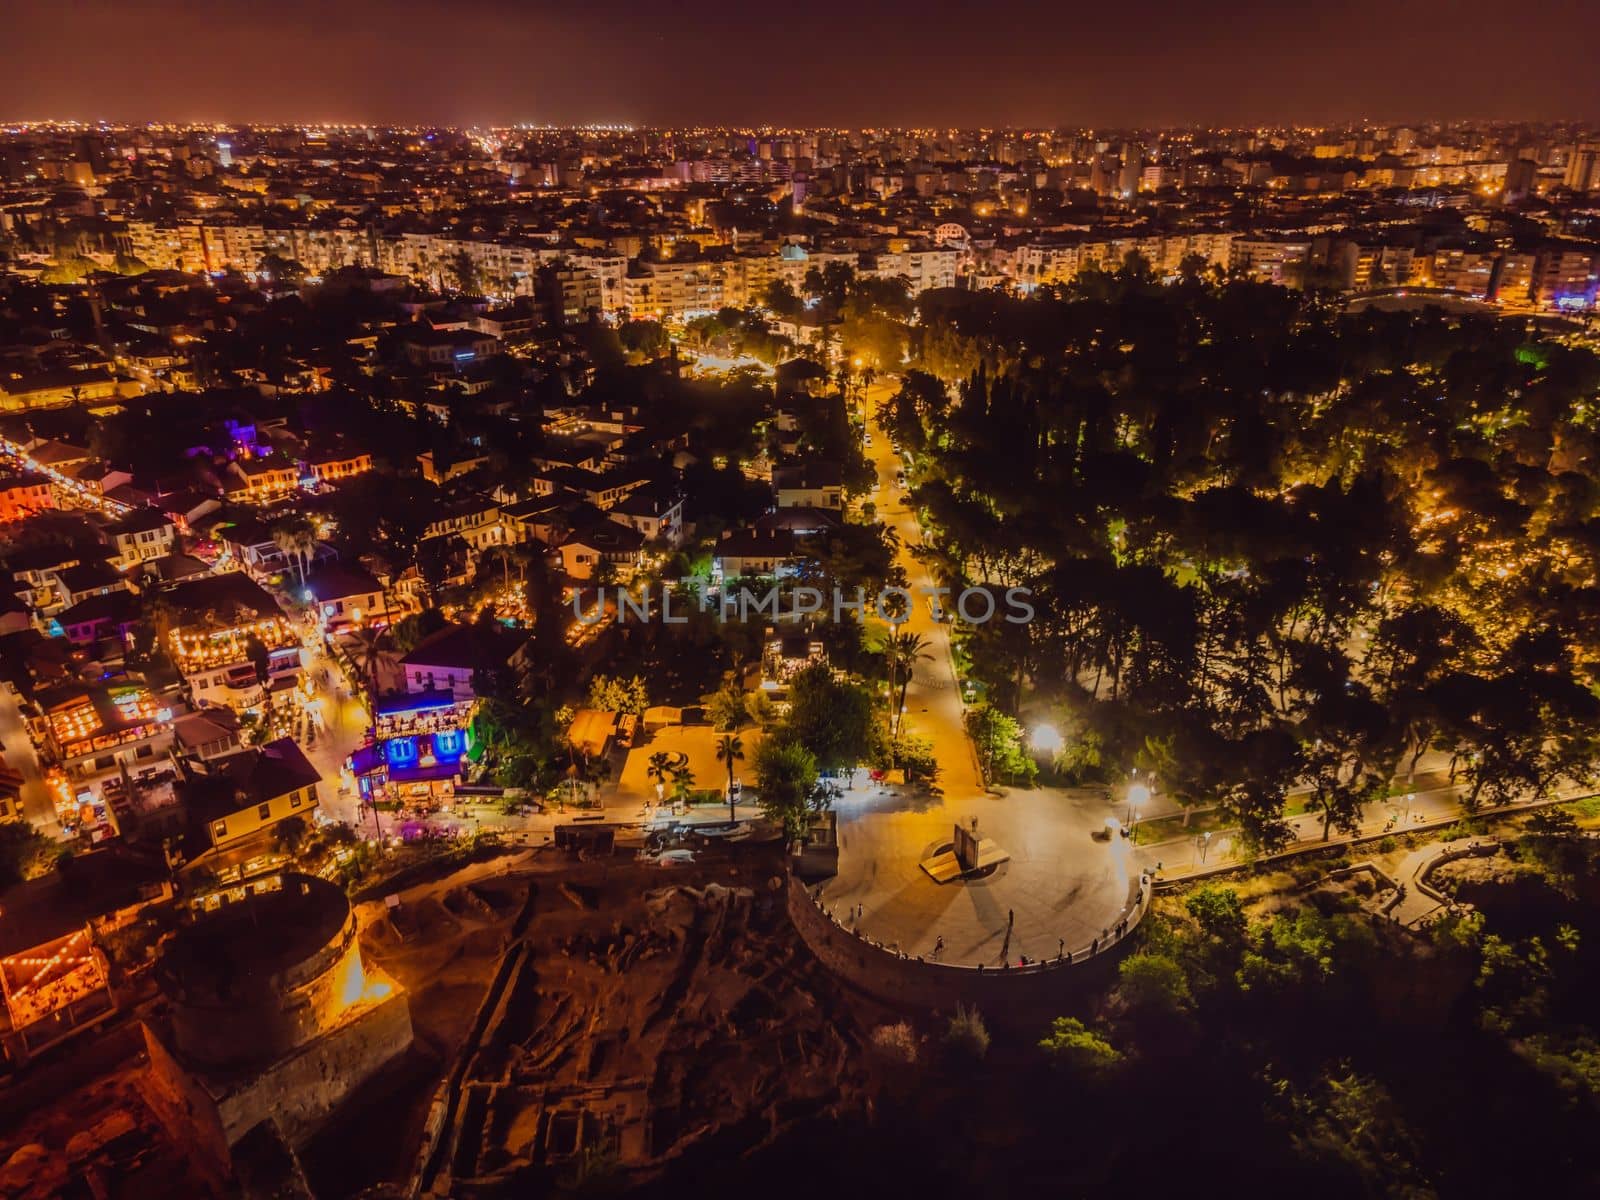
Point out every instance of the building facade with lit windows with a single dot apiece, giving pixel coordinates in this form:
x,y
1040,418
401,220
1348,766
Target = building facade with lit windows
x,y
346,598
448,659
602,545
208,623
448,349
141,535
262,480
24,494
97,733
418,749
674,289
922,269
53,971
333,466
241,796
1466,271
1566,277
1513,278
1270,260
473,518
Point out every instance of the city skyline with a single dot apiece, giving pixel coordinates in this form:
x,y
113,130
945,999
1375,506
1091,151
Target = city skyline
x,y
489,63
790,602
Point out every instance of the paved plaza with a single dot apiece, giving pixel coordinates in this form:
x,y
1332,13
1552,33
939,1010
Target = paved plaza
x,y
1063,883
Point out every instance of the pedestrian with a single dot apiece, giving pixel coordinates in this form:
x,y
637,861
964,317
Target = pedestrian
x,y
1011,917
938,946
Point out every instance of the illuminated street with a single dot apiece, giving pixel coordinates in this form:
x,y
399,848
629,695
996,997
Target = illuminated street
x,y
341,722
20,757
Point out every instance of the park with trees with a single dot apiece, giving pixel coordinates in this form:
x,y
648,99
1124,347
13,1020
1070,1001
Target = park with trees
x,y
1272,544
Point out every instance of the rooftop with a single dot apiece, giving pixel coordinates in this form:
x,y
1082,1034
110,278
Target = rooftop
x,y
465,647
85,887
221,599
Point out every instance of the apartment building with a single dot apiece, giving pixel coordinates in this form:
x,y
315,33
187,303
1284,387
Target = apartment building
x,y
674,289
1565,277
1466,271
1270,260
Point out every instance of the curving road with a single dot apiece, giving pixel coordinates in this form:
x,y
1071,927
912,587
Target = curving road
x,y
1062,886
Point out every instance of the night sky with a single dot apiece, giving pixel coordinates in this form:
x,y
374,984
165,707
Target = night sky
x,y
1015,62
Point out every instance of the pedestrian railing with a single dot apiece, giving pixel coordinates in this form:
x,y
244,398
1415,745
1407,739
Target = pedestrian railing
x,y
1114,934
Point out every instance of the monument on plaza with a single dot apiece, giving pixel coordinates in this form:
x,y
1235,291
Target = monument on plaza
x,y
966,845
967,854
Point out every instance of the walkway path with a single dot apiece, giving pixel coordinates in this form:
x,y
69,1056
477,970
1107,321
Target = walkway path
x,y
1061,885
933,701
1190,857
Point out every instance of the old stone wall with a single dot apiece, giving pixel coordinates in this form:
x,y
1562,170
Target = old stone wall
x,y
302,1089
1024,995
183,1105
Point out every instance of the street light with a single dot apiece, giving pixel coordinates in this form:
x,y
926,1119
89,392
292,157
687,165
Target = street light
x,y
1205,844
1138,797
1045,739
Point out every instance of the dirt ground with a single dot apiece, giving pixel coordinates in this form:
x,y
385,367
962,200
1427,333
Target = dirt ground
x,y
101,1140
648,1012
442,945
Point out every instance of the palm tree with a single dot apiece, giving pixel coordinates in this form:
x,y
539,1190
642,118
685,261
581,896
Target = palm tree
x,y
730,749
289,835
296,538
433,562
659,770
827,338
371,654
682,784
586,769
261,659
159,613
905,650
